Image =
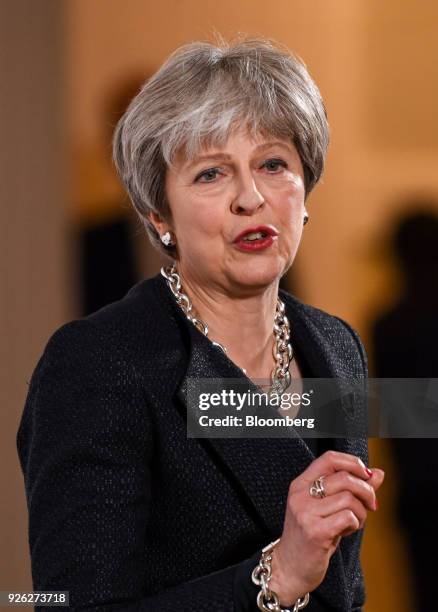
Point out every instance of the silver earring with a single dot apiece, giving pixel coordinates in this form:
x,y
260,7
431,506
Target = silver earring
x,y
306,218
166,239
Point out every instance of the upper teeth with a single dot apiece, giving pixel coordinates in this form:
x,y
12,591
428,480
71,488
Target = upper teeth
x,y
254,236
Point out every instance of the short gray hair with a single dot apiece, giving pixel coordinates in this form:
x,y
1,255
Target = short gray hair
x,y
198,97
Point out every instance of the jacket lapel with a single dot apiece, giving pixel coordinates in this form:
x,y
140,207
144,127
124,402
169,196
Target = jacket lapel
x,y
323,361
263,467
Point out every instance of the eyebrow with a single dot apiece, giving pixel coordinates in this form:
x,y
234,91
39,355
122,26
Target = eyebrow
x,y
226,156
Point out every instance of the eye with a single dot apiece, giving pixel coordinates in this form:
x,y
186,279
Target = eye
x,y
208,176
273,164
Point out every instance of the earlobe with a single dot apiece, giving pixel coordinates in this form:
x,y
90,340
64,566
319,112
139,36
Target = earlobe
x,y
305,217
167,239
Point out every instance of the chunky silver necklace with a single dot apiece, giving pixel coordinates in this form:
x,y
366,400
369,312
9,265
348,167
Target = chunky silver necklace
x,y
282,349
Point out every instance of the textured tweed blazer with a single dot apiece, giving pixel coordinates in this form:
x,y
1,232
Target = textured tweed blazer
x,y
128,513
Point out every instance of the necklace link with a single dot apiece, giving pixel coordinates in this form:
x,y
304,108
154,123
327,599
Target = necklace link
x,y
282,349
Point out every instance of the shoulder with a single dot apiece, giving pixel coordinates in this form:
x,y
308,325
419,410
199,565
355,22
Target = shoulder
x,y
127,334
89,387
333,332
96,375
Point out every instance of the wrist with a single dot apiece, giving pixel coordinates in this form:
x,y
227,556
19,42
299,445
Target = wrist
x,y
276,590
286,588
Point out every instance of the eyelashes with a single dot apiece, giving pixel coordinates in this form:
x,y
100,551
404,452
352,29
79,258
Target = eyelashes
x,y
276,162
211,173
207,173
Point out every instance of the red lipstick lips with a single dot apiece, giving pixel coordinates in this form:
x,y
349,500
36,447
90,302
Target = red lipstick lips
x,y
256,238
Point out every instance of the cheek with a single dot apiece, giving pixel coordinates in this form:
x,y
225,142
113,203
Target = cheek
x,y
291,209
210,220
199,223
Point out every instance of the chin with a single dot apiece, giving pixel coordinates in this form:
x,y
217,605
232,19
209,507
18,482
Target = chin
x,y
257,274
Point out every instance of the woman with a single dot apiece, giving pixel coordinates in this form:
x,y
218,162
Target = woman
x,y
218,152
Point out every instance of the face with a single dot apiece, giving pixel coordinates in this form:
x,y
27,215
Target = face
x,y
249,184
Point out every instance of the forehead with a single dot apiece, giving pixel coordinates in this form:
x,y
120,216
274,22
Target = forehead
x,y
256,143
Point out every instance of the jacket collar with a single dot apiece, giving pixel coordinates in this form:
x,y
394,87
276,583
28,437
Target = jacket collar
x,y
262,468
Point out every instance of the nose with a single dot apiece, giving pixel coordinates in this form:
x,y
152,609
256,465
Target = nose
x,y
248,198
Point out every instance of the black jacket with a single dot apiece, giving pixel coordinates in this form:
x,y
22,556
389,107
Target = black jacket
x,y
128,513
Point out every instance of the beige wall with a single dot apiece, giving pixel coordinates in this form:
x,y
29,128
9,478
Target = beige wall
x,y
36,283
375,63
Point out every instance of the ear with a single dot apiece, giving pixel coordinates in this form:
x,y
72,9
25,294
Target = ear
x,y
160,225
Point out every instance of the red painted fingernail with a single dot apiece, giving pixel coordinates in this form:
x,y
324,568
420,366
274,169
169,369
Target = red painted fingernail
x,y
368,471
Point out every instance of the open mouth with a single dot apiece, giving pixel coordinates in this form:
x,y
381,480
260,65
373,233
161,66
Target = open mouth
x,y
254,236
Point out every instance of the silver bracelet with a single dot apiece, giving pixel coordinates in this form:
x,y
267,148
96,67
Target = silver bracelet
x,y
267,600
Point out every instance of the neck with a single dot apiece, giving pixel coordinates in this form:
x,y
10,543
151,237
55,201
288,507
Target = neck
x,y
243,325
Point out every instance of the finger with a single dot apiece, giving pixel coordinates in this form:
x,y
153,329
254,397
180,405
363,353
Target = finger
x,y
338,524
341,501
344,481
377,478
330,462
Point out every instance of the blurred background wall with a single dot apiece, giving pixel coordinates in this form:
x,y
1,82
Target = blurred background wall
x,y
68,70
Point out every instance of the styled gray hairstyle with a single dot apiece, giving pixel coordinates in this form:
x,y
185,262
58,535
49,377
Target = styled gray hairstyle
x,y
198,97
